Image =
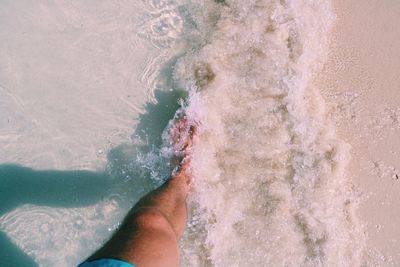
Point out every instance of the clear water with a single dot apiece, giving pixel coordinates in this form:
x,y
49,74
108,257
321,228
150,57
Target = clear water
x,y
87,88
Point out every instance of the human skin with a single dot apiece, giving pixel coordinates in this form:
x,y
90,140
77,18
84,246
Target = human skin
x,y
149,234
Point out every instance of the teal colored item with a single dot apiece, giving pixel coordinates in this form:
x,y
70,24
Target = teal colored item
x,y
105,263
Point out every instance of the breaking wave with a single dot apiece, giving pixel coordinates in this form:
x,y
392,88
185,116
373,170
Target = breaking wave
x,y
270,187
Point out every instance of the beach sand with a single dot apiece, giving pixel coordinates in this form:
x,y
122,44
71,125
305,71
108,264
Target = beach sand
x,y
361,81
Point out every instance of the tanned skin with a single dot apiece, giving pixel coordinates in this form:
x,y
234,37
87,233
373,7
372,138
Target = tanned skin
x,y
149,234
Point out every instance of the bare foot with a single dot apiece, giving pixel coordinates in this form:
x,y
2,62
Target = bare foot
x,y
181,135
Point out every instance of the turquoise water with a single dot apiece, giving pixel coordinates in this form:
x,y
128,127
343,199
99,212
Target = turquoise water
x,y
85,94
88,87
124,180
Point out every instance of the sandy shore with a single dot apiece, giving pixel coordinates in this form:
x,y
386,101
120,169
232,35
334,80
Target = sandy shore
x,y
362,80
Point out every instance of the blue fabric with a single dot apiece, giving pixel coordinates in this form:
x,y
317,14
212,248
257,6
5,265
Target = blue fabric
x,y
105,263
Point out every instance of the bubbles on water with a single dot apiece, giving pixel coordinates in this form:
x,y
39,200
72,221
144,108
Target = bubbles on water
x,y
160,4
114,227
269,171
168,24
164,24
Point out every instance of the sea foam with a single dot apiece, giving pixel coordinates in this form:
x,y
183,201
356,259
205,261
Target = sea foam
x,y
269,181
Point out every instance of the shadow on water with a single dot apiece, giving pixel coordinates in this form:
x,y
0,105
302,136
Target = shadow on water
x,y
124,176
157,116
20,185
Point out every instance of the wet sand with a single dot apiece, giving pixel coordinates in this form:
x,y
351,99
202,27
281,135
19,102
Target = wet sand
x,y
361,81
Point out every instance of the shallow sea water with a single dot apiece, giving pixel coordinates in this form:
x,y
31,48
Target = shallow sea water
x,y
87,89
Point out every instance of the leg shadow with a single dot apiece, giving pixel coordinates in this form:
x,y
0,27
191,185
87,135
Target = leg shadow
x,y
20,185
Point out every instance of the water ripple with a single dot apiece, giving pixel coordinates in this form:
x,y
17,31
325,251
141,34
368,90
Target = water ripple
x,y
163,25
57,236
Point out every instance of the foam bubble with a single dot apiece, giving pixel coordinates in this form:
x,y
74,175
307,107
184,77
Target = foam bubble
x,y
270,187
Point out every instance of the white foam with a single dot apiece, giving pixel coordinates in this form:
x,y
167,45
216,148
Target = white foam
x,y
270,187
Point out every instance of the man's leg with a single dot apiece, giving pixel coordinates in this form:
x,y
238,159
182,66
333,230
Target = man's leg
x,y
149,235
